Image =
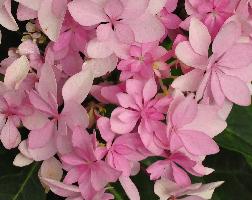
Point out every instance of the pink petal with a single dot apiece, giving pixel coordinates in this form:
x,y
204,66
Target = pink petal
x,y
61,189
102,174
207,120
199,37
124,33
150,24
130,119
113,8
10,135
21,160
49,22
86,12
180,176
216,89
189,81
198,143
103,125
225,39
6,18
129,188
185,112
77,87
41,137
17,72
99,49
235,90
47,84
134,9
239,55
75,115
155,7
34,5
52,169
149,90
101,66
186,54
24,13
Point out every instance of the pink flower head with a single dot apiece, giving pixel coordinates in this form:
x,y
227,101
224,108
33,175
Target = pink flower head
x,y
184,133
213,13
123,154
14,107
172,168
219,77
87,168
120,23
139,104
145,59
167,189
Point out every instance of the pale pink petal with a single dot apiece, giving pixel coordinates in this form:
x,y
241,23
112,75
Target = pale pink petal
x,y
86,12
225,39
24,13
206,190
199,37
10,135
35,121
188,56
75,115
6,18
45,152
17,72
123,121
32,4
77,87
198,143
99,49
47,84
150,24
101,66
21,160
235,90
189,81
239,55
185,112
61,189
113,8
129,188
217,92
51,169
44,134
124,33
49,22
155,6
134,9
207,120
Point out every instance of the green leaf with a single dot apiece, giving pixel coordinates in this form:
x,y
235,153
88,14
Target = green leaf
x,y
232,168
238,136
19,183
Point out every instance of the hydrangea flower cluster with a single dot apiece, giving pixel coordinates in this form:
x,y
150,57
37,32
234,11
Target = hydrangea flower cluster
x,y
62,94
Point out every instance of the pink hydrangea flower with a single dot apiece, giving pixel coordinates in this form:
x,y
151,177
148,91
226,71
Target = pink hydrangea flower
x,y
139,104
181,134
145,60
120,23
219,77
212,13
87,168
